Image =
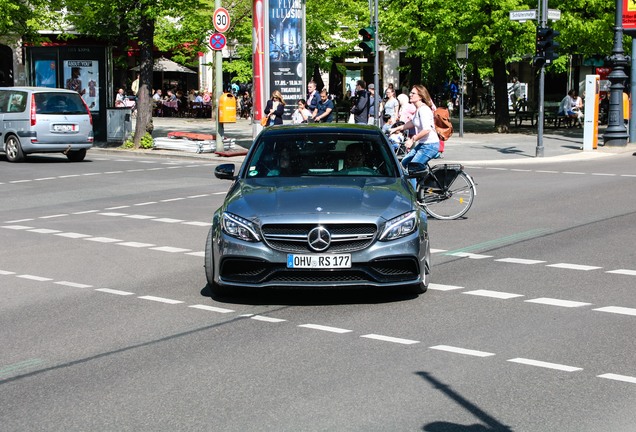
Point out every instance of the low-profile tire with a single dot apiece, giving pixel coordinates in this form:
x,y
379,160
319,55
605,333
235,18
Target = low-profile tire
x,y
422,286
208,264
13,149
76,155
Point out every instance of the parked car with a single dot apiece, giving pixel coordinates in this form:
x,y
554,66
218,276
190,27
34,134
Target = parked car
x,y
318,205
44,120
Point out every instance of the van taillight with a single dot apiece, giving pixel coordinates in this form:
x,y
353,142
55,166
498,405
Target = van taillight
x,y
90,116
33,110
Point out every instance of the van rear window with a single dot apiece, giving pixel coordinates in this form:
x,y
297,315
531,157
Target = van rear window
x,y
59,103
12,101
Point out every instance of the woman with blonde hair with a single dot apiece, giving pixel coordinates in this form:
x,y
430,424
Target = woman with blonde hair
x,y
424,145
274,109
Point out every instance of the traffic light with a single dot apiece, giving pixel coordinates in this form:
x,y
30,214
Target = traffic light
x,y
546,46
368,40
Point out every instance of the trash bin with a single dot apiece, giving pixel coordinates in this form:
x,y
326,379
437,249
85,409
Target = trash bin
x,y
118,125
227,108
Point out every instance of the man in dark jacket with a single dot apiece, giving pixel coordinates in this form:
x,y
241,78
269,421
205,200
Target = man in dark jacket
x,y
360,107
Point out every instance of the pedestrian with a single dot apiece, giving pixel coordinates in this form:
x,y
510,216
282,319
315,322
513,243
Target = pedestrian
x,y
391,109
274,109
135,86
360,105
324,111
371,91
302,114
566,107
313,96
515,93
424,145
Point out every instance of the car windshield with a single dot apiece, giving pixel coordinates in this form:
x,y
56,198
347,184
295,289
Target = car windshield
x,y
322,154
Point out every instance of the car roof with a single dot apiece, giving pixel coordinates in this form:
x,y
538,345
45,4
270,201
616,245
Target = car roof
x,y
322,128
39,89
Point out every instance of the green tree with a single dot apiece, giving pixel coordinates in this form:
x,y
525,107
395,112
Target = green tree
x,y
24,18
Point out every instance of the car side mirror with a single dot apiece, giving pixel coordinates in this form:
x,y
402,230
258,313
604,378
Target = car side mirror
x,y
416,170
225,172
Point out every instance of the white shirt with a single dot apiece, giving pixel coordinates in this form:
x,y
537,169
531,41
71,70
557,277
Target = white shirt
x,y
423,120
297,117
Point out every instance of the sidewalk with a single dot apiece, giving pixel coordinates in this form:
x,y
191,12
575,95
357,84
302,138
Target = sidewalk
x,y
480,142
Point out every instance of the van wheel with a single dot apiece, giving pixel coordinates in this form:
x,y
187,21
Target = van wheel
x,y
14,150
76,155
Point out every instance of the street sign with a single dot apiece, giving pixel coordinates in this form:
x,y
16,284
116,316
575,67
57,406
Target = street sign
x,y
217,41
523,15
554,14
221,20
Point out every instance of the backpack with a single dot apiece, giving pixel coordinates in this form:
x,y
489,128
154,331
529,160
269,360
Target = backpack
x,y
443,125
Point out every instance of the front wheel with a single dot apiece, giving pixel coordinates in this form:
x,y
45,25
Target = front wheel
x,y
208,264
450,202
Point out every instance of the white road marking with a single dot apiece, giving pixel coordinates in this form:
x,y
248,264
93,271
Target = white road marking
x,y
6,272
439,287
44,231
113,214
520,261
73,235
117,207
73,284
197,254
170,249
168,220
146,203
219,193
160,299
137,216
557,302
19,181
469,255
493,294
35,278
462,351
136,244
196,223
437,250
520,170
103,239
19,220
604,174
85,212
172,199
68,176
547,172
17,227
212,308
623,272
53,216
573,172
325,328
44,178
573,266
113,172
390,339
547,365
267,319
199,196
90,174
112,291
617,310
616,377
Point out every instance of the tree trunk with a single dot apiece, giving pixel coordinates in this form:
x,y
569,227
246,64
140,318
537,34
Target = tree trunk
x,y
144,98
500,80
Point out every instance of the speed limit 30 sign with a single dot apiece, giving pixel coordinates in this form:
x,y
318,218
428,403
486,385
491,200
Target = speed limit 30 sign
x,y
221,20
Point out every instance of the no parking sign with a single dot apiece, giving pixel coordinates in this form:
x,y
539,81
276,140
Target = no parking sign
x,y
217,41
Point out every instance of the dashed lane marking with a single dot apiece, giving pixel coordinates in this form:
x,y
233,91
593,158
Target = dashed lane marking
x,y
112,291
390,339
520,261
267,319
34,278
170,249
547,365
464,351
623,272
136,244
573,266
325,328
53,216
617,310
160,299
73,235
73,284
44,231
212,308
557,302
616,377
493,294
440,287
103,239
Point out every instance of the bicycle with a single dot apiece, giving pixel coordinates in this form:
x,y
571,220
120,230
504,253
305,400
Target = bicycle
x,y
445,191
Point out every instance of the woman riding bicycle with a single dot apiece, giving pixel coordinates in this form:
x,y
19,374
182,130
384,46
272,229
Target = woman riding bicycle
x,y
424,145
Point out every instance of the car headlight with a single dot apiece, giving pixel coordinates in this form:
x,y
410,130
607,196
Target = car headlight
x,y
240,228
400,226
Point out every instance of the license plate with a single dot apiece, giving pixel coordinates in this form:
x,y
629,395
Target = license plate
x,y
65,128
320,261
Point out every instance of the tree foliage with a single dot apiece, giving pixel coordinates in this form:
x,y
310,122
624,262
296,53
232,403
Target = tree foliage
x,y
24,18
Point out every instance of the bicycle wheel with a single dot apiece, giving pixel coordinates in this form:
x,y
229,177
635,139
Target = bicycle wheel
x,y
451,202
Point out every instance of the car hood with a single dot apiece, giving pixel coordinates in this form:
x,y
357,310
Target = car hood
x,y
331,198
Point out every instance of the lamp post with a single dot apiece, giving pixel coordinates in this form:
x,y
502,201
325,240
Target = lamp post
x,y
616,133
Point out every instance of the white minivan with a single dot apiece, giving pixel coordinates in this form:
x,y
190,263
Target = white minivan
x,y
44,120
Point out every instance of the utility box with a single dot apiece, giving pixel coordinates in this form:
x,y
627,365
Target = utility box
x,y
227,108
118,125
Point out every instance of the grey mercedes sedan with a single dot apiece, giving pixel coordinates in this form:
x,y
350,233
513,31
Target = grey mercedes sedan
x,y
318,205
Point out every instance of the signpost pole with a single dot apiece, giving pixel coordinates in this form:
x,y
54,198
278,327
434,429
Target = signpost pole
x,y
543,11
218,90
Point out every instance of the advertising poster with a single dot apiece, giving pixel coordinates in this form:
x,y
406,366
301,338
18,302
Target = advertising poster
x,y
83,77
285,52
45,73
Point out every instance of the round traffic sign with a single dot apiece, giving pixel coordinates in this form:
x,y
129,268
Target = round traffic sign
x,y
217,41
221,20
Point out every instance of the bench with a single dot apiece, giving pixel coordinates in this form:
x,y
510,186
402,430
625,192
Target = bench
x,y
531,116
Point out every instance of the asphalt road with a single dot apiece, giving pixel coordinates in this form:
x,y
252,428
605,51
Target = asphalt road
x,y
106,324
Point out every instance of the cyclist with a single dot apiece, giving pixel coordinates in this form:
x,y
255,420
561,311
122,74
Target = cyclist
x,y
424,145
